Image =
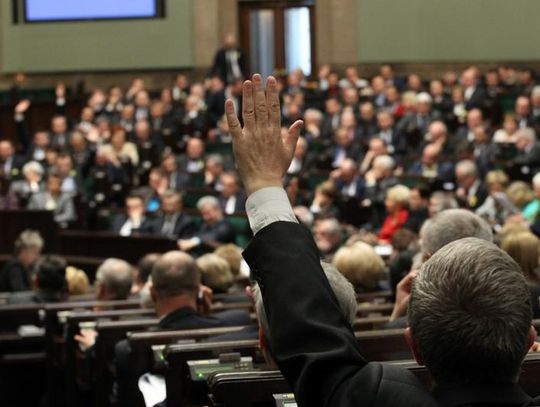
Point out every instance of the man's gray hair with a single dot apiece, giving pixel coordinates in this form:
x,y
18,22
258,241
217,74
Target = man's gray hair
x,y
208,200
28,239
450,225
467,167
385,161
526,133
215,158
470,314
342,288
116,276
175,274
535,91
33,166
536,181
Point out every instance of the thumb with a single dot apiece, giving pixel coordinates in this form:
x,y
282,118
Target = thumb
x,y
291,138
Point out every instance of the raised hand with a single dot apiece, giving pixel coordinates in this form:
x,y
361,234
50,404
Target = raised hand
x,y
262,153
22,106
60,90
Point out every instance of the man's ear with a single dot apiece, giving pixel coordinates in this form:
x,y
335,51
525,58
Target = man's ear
x,y
153,294
262,339
532,337
100,291
35,282
414,348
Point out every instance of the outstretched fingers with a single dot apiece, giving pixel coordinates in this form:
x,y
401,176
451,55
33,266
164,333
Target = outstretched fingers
x,y
261,110
272,101
248,105
232,119
291,137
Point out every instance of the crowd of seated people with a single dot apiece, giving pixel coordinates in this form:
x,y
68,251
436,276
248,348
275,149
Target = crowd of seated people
x,y
377,176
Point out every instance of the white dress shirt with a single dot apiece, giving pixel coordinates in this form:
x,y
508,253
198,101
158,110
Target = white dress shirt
x,y
268,205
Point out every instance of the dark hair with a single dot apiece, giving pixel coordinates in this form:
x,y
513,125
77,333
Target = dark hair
x,y
145,266
423,191
51,274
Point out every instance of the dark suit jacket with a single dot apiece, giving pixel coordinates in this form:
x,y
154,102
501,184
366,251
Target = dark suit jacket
x,y
184,227
530,158
240,204
119,220
222,67
222,232
315,346
183,318
445,170
14,277
477,100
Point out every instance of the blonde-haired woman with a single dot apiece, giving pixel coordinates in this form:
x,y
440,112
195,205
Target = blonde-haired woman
x,y
397,213
524,248
361,265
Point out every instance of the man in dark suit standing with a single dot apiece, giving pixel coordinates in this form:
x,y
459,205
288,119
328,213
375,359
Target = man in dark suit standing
x,y
473,355
230,61
172,222
474,94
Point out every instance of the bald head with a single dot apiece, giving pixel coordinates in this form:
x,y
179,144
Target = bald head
x,y
175,274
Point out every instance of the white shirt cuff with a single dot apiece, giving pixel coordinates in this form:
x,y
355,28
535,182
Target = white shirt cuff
x,y
268,205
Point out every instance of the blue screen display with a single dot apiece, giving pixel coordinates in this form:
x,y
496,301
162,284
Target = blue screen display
x,y
64,10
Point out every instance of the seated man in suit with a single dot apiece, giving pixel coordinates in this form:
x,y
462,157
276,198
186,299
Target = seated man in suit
x,y
214,231
172,222
470,192
17,273
55,200
48,284
347,180
342,288
32,183
10,163
456,329
431,166
528,150
176,292
134,220
114,279
443,228
232,197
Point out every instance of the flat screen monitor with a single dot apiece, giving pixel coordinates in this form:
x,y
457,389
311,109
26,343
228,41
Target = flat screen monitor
x,y
80,10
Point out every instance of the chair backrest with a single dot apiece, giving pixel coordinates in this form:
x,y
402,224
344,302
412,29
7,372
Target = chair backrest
x,y
180,390
78,363
247,389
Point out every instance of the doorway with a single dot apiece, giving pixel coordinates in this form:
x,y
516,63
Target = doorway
x,y
278,36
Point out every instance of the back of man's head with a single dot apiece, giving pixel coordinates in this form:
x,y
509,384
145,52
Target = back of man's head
x,y
114,279
450,225
470,314
342,288
176,274
51,275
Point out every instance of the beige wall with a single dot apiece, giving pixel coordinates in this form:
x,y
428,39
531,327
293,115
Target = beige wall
x,y
102,45
448,30
336,32
361,32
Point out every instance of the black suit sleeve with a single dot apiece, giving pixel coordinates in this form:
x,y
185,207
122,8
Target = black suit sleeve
x,y
310,339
